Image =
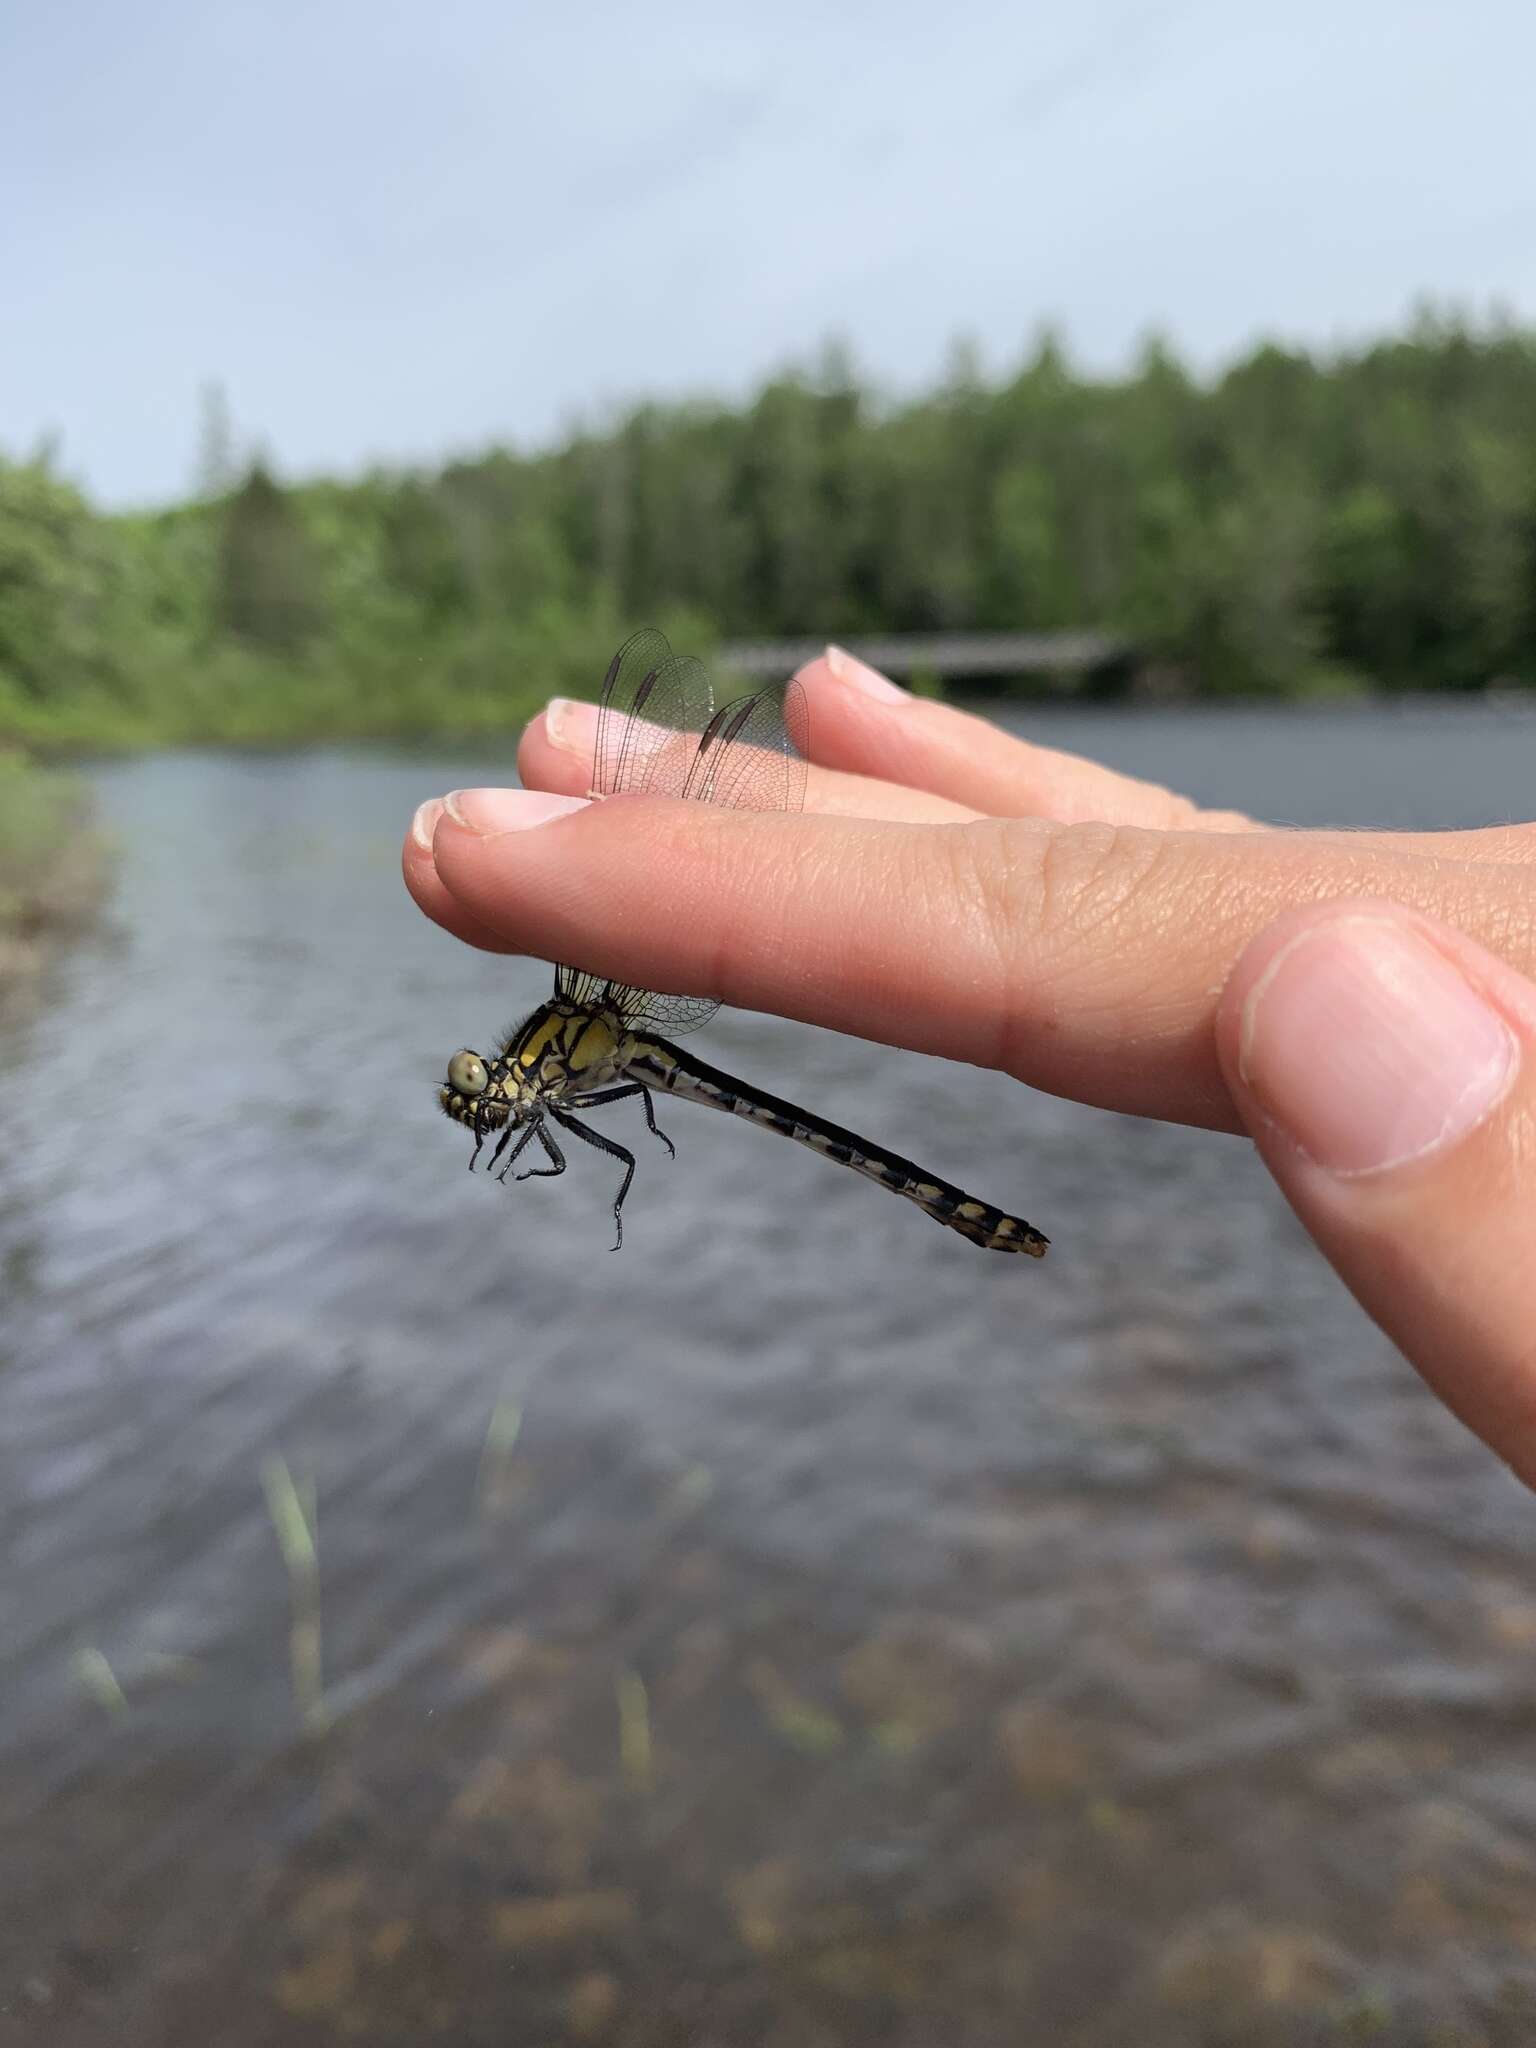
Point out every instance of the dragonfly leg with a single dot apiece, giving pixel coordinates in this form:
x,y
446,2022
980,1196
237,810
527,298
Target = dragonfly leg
x,y
650,1120
504,1141
592,1098
482,1125
607,1145
595,1096
551,1148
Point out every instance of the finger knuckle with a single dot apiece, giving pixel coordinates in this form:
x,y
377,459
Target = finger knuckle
x,y
1074,886
1052,903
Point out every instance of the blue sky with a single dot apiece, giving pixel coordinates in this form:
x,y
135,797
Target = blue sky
x,y
400,232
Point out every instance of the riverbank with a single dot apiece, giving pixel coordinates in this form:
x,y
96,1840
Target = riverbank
x,y
53,867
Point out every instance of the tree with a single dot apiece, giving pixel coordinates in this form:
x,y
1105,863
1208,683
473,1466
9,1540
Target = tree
x,y
55,587
217,465
267,587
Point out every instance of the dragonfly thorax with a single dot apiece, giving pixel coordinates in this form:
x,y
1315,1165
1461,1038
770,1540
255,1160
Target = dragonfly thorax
x,y
562,1049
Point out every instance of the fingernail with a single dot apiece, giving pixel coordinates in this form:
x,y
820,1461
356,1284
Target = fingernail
x,y
858,675
1368,1046
425,822
489,811
571,725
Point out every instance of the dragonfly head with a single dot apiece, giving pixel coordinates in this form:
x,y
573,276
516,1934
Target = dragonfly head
x,y
460,1097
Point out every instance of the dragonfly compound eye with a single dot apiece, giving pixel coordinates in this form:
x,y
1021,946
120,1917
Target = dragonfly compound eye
x,y
467,1074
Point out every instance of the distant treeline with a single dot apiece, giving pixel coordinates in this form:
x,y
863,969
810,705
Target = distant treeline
x,y
1298,525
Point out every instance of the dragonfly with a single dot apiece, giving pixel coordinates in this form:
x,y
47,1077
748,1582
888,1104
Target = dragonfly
x,y
599,1041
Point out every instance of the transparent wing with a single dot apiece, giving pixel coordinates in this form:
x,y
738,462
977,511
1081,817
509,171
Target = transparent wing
x,y
651,714
751,756
656,732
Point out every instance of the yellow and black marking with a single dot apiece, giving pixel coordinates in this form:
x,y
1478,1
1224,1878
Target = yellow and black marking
x,y
566,1058
661,1065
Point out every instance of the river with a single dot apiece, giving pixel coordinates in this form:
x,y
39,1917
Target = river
x,y
797,1629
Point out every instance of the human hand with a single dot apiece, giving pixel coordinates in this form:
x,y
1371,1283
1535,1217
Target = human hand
x,y
1358,1003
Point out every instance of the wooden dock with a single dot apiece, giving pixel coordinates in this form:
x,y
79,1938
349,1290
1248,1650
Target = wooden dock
x,y
948,656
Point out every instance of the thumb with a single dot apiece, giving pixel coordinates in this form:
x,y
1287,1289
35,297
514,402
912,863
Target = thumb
x,y
1383,1065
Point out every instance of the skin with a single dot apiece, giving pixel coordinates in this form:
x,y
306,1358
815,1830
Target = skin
x,y
962,892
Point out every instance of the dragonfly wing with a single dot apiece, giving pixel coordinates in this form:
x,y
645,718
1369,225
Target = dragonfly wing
x,y
751,756
653,710
645,1009
657,732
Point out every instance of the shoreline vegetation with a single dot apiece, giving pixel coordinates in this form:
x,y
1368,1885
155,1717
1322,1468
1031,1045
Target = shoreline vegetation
x,y
1301,526
54,868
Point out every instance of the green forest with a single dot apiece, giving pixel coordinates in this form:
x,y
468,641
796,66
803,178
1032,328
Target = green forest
x,y
1301,524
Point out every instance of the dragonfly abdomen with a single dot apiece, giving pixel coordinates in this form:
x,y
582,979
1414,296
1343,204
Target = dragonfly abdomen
x,y
660,1064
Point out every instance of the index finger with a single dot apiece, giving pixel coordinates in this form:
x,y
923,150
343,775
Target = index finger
x,y
1085,959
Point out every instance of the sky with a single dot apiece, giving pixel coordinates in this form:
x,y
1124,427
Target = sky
x,y
402,232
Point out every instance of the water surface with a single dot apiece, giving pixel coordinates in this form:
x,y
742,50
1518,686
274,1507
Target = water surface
x,y
797,1629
